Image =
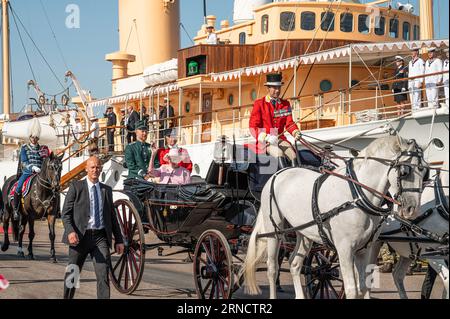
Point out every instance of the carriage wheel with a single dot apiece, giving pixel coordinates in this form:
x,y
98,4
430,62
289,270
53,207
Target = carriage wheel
x,y
322,274
213,266
127,270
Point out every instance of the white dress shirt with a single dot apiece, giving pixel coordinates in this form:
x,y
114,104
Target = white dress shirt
x,y
211,38
416,68
91,222
445,68
433,66
95,128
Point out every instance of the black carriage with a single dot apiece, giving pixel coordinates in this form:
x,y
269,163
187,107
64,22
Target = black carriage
x,y
212,219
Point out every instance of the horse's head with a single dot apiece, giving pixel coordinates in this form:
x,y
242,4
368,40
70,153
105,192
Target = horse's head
x,y
52,170
406,176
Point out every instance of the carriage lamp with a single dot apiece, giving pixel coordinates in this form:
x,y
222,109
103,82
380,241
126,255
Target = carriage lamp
x,y
222,153
222,150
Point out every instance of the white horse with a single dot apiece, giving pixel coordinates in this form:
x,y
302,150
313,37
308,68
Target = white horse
x,y
351,230
435,223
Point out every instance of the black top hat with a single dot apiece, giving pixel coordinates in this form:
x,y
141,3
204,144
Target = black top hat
x,y
142,125
274,79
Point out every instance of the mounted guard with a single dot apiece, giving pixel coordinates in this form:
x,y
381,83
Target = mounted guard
x,y
31,157
270,116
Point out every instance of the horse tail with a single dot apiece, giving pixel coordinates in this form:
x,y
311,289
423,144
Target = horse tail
x,y
255,252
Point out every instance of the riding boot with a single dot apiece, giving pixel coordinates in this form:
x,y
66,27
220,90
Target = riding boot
x,y
282,163
16,205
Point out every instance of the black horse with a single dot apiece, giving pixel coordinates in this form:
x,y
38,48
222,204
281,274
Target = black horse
x,y
41,201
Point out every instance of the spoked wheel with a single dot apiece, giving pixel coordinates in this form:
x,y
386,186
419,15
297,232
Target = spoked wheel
x,y
213,269
127,270
322,274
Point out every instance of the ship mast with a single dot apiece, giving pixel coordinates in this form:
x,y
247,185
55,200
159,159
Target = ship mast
x,y
6,59
426,20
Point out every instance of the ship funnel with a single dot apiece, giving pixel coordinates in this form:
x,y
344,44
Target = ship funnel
x,y
244,9
149,30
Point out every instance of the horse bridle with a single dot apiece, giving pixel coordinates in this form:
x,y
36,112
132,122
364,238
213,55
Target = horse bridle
x,y
46,183
405,169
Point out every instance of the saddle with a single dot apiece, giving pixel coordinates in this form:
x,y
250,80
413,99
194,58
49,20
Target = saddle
x,y
25,188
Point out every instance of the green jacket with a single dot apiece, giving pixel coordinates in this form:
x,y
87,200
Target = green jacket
x,y
137,157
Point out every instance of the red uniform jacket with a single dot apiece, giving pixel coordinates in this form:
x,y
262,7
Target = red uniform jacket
x,y
266,118
186,163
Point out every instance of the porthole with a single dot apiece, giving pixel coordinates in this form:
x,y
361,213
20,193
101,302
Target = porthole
x,y
187,107
116,176
253,95
325,85
197,169
438,144
103,177
230,99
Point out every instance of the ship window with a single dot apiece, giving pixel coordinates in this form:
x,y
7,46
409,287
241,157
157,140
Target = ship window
x,y
326,85
346,22
393,28
287,21
308,21
380,25
187,107
265,24
242,38
230,99
416,32
363,23
406,31
327,21
253,95
116,176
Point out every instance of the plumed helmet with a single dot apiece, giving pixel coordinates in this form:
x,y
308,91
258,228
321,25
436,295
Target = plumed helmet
x,y
34,129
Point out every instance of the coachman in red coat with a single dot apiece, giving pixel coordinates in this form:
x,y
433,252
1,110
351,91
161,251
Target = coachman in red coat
x,y
270,117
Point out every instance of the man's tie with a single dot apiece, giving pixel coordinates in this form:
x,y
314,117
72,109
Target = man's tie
x,y
96,208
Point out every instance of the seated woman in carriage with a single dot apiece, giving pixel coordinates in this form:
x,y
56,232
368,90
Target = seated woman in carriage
x,y
171,173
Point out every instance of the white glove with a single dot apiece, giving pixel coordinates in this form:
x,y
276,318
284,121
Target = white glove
x,y
272,139
297,135
403,90
141,173
36,169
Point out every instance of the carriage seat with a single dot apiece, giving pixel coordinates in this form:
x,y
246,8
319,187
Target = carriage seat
x,y
193,192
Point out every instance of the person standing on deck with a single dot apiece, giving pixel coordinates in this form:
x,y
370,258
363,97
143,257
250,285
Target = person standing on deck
x,y
416,68
270,116
433,65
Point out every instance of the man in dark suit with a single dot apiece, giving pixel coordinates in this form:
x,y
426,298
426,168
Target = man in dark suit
x,y
89,224
131,120
111,122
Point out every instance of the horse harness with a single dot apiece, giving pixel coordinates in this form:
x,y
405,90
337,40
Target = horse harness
x,y
45,183
412,229
359,198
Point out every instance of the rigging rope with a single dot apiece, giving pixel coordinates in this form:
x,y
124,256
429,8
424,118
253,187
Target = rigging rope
x,y
24,49
35,45
54,35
